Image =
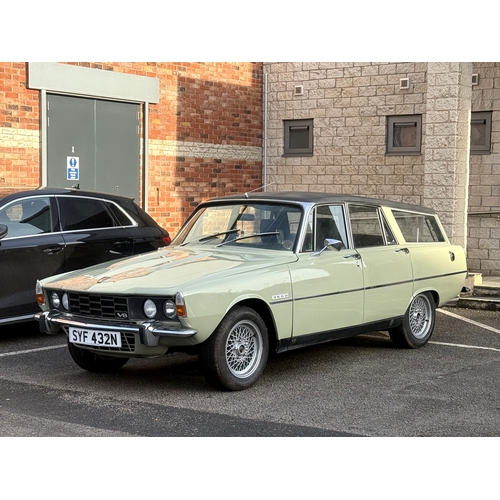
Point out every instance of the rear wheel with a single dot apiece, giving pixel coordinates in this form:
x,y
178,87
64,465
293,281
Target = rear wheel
x,y
418,323
235,355
92,362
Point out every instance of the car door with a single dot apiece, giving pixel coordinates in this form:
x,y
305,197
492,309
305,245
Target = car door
x,y
32,249
91,232
387,266
328,284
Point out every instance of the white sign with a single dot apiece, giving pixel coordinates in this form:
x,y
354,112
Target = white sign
x,y
73,168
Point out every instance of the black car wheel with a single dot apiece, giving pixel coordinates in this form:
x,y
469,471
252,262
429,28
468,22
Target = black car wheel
x,y
92,362
235,355
418,323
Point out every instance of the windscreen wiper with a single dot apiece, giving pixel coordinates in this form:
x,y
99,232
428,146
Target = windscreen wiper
x,y
211,236
253,235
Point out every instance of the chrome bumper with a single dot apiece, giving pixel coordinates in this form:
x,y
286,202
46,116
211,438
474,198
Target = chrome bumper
x,y
149,332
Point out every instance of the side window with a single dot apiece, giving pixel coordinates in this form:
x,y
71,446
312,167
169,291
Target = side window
x,y
82,213
27,217
366,228
418,228
123,219
330,224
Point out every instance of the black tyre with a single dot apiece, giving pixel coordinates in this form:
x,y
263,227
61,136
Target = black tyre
x,y
92,362
418,323
235,355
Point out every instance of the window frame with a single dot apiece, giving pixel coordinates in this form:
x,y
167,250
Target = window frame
x,y
485,116
294,152
403,150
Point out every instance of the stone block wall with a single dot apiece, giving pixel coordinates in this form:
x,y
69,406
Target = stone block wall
x,y
484,183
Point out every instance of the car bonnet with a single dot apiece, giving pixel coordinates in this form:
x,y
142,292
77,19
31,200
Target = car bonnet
x,y
166,269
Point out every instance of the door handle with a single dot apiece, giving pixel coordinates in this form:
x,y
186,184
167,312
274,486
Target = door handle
x,y
405,250
354,255
121,243
53,250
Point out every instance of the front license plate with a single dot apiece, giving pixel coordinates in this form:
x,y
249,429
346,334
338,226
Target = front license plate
x,y
94,337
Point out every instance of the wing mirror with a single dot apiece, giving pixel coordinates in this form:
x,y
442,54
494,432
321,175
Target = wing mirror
x,y
330,243
3,230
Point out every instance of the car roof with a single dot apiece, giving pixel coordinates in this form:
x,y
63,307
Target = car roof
x,y
65,191
306,197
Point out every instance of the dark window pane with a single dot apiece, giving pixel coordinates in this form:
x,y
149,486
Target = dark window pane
x,y
405,135
80,213
478,133
299,137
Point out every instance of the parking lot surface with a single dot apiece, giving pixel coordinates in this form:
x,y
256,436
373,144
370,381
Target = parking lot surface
x,y
362,386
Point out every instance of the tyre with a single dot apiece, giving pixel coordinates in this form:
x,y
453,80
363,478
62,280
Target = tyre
x,y
235,355
92,362
418,323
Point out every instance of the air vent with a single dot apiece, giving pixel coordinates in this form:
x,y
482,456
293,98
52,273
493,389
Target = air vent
x,y
404,83
475,79
299,90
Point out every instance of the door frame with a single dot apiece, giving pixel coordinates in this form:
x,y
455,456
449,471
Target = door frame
x,y
79,81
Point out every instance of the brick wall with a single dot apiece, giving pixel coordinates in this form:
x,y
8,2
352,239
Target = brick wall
x,y
205,134
19,131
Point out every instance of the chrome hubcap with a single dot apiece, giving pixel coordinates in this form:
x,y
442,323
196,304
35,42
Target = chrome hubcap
x,y
420,316
243,349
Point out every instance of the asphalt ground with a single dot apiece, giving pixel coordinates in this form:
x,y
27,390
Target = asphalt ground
x,y
362,387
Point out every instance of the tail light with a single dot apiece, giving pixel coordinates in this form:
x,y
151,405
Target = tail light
x,y
167,240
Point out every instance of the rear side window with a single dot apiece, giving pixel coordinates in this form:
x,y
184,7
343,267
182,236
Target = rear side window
x,y
120,215
82,213
418,228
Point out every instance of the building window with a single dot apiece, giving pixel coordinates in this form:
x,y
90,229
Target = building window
x,y
480,133
404,134
298,138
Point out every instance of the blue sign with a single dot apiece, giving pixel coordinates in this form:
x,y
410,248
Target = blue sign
x,y
73,168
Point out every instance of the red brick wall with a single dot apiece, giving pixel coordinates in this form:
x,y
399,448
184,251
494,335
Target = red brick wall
x,y
209,103
19,124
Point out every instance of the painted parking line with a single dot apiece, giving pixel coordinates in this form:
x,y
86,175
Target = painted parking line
x,y
465,346
470,321
28,351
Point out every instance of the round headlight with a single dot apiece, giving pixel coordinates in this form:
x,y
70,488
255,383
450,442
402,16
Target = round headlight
x,y
54,300
65,301
169,309
149,308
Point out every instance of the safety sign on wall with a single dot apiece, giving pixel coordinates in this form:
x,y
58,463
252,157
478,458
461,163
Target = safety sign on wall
x,y
73,168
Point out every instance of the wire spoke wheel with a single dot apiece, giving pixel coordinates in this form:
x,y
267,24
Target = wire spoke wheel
x,y
418,323
243,349
235,355
420,316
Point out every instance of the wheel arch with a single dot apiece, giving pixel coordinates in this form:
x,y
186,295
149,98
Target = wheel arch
x,y
263,310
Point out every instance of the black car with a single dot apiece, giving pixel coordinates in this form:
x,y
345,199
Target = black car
x,y
53,230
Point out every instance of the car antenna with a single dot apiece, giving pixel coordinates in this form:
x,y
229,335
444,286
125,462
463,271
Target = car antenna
x,y
75,186
256,189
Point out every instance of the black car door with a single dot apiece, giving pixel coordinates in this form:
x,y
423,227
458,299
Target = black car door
x,y
91,232
32,249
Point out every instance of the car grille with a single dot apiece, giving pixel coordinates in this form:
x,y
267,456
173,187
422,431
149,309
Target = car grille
x,y
98,306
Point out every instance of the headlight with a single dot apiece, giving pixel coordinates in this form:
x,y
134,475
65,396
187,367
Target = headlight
x,y
149,308
65,301
169,309
54,300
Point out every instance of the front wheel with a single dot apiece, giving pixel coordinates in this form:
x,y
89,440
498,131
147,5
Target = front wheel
x,y
418,323
95,362
235,355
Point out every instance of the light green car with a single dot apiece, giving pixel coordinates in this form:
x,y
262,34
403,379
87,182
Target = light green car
x,y
258,272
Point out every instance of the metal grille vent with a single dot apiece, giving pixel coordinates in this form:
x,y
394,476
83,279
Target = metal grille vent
x,y
98,306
